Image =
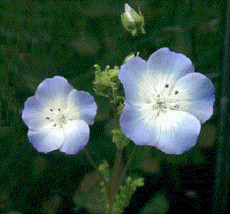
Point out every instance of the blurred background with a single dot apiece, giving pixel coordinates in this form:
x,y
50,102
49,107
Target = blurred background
x,y
41,39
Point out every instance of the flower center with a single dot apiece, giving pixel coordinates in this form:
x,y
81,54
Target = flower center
x,y
164,100
58,117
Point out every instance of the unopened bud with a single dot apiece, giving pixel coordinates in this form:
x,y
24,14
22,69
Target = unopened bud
x,y
133,21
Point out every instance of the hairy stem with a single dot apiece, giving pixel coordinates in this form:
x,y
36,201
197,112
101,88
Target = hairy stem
x,y
128,163
96,168
114,181
137,44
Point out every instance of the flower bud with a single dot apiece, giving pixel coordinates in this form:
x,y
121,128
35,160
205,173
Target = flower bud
x,y
133,21
130,56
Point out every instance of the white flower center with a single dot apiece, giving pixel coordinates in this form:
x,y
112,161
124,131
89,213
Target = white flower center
x,y
165,100
60,117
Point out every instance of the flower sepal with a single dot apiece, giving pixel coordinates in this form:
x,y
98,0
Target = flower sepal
x,y
130,56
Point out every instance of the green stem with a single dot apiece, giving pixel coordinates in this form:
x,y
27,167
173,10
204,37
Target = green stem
x,y
118,172
137,44
96,168
114,181
128,163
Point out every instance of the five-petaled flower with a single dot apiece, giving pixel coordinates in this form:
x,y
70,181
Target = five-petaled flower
x,y
166,102
58,116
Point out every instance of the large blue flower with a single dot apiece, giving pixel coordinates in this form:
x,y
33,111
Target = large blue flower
x,y
166,102
58,116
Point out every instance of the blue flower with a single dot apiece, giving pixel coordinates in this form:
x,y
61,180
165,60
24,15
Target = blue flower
x,y
166,102
58,116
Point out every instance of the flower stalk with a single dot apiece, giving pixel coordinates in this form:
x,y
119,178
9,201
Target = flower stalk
x,y
114,181
106,84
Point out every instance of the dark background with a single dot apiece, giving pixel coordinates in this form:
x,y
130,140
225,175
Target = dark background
x,y
41,39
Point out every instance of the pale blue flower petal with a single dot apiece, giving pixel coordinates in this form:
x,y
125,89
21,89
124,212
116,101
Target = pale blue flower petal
x,y
46,139
195,94
166,102
76,136
138,126
179,132
131,75
166,67
58,116
53,92
33,114
85,106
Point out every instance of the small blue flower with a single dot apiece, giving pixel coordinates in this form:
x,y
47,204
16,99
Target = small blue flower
x,y
166,102
58,116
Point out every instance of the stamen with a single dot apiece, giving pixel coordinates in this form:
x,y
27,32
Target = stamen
x,y
51,109
59,109
176,92
176,106
47,118
167,85
54,125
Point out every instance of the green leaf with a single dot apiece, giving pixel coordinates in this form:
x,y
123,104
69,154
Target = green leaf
x,y
159,204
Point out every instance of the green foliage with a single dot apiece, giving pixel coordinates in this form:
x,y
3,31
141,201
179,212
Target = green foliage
x,y
104,169
105,81
125,193
159,204
93,199
119,138
120,108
